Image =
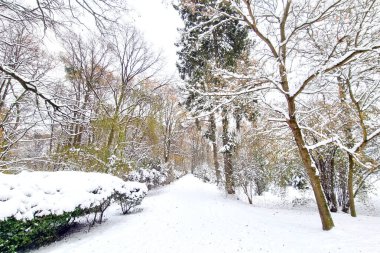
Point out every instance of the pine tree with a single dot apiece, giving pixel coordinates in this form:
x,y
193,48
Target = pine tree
x,y
218,43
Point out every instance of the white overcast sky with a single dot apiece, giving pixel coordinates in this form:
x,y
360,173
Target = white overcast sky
x,y
158,21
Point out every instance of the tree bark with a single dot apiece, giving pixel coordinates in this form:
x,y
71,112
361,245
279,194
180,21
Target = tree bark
x,y
351,197
325,165
214,148
227,156
348,133
311,170
334,201
111,136
247,192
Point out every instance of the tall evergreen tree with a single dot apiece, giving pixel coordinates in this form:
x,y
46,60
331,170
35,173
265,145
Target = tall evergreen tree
x,y
218,43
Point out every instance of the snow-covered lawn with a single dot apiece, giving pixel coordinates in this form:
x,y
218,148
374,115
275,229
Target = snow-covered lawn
x,y
191,216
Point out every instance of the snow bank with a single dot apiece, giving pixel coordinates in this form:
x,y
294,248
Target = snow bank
x,y
31,194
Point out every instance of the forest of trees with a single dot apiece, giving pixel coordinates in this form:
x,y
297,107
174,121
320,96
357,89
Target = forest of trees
x,y
100,104
269,93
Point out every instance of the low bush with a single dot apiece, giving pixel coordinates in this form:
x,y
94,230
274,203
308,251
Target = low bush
x,y
128,201
205,173
155,174
151,175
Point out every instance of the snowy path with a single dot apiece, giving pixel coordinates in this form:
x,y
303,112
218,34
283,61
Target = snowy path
x,y
190,216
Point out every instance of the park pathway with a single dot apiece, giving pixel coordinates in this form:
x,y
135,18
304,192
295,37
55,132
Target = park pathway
x,y
192,216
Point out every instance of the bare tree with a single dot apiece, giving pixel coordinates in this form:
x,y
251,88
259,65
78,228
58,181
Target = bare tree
x,y
134,64
19,111
53,15
87,65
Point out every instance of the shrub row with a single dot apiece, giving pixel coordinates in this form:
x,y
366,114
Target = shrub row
x,y
37,208
19,235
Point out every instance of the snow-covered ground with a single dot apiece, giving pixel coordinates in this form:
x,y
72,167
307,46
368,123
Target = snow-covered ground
x,y
191,216
303,200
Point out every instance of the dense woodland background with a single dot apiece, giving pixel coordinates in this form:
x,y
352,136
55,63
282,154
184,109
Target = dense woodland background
x,y
269,94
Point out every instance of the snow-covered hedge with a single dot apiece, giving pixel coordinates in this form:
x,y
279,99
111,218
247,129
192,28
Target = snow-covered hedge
x,y
36,207
36,194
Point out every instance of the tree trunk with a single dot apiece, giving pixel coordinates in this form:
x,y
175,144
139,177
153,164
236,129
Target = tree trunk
x,y
214,148
78,139
228,173
345,203
51,138
350,184
77,135
248,194
325,165
4,92
111,136
167,144
348,132
334,201
194,150
311,170
343,195
227,156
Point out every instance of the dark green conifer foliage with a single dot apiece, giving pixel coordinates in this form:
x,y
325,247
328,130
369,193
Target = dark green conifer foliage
x,y
207,42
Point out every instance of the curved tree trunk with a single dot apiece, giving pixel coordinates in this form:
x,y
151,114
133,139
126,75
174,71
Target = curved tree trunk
x,y
311,170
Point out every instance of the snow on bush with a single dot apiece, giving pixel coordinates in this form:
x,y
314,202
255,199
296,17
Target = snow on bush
x,y
35,194
205,173
129,201
151,176
154,175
